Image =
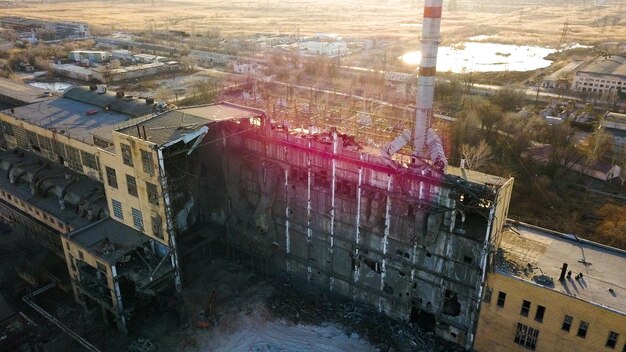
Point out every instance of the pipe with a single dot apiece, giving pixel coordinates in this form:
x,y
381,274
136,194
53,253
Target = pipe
x,y
80,200
66,185
13,178
431,27
28,299
34,188
33,178
90,207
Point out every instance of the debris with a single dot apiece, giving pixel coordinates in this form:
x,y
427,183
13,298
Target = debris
x,y
142,345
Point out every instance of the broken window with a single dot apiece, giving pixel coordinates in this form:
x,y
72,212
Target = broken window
x,y
32,140
131,185
501,298
127,156
541,310
526,336
117,209
157,227
89,160
372,264
45,143
612,340
582,329
146,161
111,177
59,148
567,323
525,308
7,128
73,158
153,195
451,304
488,293
137,218
81,256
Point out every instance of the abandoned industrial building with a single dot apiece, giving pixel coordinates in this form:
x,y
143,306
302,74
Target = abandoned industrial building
x,y
122,190
412,241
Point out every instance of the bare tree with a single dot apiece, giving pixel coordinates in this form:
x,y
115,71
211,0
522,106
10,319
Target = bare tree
x,y
115,64
476,157
595,145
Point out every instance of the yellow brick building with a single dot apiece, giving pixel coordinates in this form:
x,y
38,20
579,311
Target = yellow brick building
x,y
527,307
79,187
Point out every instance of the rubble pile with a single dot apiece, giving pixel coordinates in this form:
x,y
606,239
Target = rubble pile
x,y
312,307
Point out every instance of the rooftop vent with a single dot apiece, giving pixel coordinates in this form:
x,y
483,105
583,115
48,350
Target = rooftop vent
x,y
119,94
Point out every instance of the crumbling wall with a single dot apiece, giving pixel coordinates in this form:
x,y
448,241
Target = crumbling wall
x,y
392,239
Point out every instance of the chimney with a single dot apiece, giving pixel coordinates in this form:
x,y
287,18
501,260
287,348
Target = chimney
x,y
426,78
462,163
563,271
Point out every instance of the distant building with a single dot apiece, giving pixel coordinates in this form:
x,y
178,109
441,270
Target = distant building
x,y
60,30
332,49
598,169
244,68
553,292
143,47
72,71
604,76
615,125
562,78
89,55
106,75
122,54
206,57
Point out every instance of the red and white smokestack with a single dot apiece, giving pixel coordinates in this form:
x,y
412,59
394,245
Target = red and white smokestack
x,y
426,76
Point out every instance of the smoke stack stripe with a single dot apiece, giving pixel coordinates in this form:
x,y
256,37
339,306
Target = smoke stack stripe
x,y
426,79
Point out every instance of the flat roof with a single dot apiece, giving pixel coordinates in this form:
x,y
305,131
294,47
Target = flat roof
x,y
530,252
610,65
174,124
108,239
81,114
71,118
20,91
475,176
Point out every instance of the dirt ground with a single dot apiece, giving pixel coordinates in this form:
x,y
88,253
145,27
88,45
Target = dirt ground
x,y
531,25
250,311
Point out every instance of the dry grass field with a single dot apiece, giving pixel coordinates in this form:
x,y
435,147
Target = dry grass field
x,y
393,19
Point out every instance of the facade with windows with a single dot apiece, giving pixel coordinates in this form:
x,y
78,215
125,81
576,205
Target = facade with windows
x,y
527,307
104,219
605,76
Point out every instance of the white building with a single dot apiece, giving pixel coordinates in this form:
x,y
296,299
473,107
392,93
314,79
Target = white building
x,y
244,68
604,76
332,49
